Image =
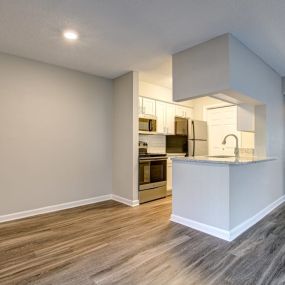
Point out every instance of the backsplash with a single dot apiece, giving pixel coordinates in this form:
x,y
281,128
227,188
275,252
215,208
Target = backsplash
x,y
156,143
246,152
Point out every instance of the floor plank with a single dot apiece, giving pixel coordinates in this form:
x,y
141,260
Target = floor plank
x,y
109,243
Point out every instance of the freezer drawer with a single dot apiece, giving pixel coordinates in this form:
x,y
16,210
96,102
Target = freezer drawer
x,y
152,194
197,148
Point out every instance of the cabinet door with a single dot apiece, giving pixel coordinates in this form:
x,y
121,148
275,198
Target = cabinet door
x,y
179,111
188,113
184,112
148,106
170,119
140,107
169,178
160,114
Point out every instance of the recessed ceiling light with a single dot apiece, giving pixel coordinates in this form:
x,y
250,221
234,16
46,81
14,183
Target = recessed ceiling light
x,y
70,35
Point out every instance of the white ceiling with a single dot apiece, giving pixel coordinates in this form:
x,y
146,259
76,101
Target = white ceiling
x,y
121,35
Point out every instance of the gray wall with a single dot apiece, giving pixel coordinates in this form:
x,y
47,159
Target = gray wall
x,y
56,135
125,136
201,193
251,76
202,69
248,75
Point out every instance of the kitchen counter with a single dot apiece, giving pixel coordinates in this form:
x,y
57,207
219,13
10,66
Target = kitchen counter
x,y
222,196
222,160
178,154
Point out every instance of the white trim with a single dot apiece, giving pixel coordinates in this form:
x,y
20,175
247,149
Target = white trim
x,y
68,205
132,203
215,106
235,232
169,102
217,232
241,228
53,208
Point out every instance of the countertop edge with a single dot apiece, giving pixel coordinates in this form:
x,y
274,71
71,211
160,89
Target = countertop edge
x,y
225,162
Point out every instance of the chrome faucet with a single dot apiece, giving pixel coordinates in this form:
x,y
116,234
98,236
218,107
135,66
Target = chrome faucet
x,y
237,147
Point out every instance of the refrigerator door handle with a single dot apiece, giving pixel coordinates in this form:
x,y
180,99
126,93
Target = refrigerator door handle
x,y
193,134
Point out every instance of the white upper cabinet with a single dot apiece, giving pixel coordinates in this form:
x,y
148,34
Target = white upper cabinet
x,y
179,111
170,119
140,107
147,106
189,113
160,115
165,114
183,112
245,118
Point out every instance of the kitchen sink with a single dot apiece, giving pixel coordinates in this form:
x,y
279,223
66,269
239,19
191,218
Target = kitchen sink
x,y
220,156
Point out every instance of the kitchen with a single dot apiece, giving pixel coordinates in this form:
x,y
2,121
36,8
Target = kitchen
x,y
194,127
142,142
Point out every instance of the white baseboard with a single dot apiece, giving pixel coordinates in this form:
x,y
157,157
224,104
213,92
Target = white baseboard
x,y
217,232
53,208
241,228
132,203
228,235
68,205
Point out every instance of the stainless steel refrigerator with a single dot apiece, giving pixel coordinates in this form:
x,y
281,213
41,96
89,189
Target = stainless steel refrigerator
x,y
197,138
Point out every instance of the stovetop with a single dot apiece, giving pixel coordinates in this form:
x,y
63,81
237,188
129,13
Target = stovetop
x,y
152,155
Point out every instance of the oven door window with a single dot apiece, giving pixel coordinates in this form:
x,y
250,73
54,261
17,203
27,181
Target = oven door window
x,y
157,171
144,173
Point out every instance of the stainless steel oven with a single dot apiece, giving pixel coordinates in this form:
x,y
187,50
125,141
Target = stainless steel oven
x,y
152,177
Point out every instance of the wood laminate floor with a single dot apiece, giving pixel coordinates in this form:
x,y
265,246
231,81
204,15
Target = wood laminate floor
x,y
109,243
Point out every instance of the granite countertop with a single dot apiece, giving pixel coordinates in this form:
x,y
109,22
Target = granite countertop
x,y
223,160
180,154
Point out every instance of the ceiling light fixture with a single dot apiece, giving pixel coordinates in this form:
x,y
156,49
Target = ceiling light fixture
x,y
70,35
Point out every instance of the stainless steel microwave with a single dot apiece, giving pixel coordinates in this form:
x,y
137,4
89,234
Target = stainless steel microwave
x,y
181,126
147,124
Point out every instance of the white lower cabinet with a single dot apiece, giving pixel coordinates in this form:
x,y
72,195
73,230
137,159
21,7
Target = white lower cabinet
x,y
169,171
169,176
